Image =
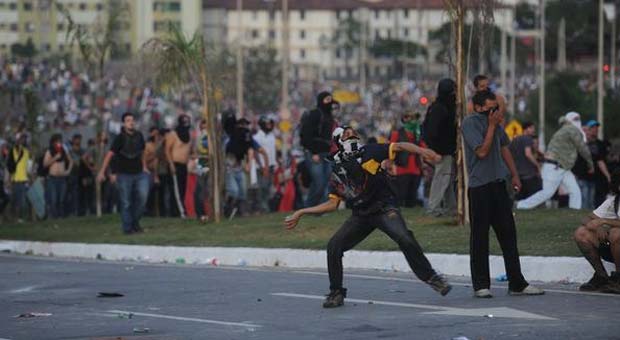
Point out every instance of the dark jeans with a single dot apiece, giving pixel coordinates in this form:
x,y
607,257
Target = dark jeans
x,y
357,228
489,205
4,198
200,193
529,186
87,195
56,191
165,195
181,175
133,191
408,190
320,172
71,201
18,199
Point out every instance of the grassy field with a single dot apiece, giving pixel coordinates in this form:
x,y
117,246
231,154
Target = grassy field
x,y
540,232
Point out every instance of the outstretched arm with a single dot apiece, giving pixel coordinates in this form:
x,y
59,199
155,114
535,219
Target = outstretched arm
x,y
330,205
427,154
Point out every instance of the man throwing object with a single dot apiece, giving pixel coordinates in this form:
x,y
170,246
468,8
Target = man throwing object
x,y
359,179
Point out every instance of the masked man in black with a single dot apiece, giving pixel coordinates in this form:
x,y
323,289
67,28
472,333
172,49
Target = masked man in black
x,y
359,178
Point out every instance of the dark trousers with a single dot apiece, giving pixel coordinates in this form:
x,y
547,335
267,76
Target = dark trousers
x,y
529,186
357,228
4,198
489,205
408,190
166,198
181,175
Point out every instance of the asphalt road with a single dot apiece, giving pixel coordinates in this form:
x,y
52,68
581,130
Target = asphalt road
x,y
199,302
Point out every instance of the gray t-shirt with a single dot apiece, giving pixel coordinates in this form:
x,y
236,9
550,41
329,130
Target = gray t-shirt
x,y
525,167
482,171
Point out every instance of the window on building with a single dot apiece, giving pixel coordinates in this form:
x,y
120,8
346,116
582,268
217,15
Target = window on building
x,y
302,14
60,27
12,6
338,15
376,14
406,32
389,33
61,47
377,34
46,47
27,6
406,13
29,26
302,53
272,34
272,15
156,6
174,6
302,34
350,13
338,54
14,27
255,34
82,6
99,7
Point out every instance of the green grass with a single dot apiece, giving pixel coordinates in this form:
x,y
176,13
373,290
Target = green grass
x,y
540,232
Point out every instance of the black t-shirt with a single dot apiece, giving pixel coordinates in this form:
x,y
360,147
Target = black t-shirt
x,y
599,150
525,168
362,183
128,151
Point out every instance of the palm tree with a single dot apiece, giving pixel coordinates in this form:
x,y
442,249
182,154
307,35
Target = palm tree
x,y
179,60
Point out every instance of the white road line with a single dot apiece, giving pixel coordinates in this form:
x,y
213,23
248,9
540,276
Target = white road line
x,y
497,312
371,277
180,318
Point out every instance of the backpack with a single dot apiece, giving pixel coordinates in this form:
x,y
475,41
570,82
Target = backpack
x,y
11,163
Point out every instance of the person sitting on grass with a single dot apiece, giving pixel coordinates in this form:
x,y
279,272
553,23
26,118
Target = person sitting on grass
x,y
598,238
359,179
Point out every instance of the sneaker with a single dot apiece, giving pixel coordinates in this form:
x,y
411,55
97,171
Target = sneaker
x,y
483,293
335,298
439,284
596,284
615,277
529,290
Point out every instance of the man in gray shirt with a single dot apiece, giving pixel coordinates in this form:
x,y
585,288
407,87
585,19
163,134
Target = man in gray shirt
x,y
488,163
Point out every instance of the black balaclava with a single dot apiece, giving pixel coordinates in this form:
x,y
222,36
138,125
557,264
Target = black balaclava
x,y
326,108
182,130
446,93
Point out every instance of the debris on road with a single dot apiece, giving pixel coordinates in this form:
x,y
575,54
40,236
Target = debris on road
x,y
489,316
109,294
32,315
501,278
141,330
460,338
180,260
123,315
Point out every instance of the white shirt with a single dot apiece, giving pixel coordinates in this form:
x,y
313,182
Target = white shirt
x,y
267,142
606,209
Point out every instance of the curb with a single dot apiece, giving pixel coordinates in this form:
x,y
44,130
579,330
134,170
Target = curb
x,y
545,269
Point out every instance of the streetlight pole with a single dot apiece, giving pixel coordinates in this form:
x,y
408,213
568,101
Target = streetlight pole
x,y
240,107
599,88
541,101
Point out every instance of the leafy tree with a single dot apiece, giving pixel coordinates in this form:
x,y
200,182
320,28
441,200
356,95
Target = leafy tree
x,y
262,79
347,38
26,50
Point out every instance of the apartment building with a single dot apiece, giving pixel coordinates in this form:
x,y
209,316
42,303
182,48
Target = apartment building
x,y
41,22
312,24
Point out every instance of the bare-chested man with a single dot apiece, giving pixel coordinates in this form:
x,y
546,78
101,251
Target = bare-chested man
x,y
178,150
150,153
59,166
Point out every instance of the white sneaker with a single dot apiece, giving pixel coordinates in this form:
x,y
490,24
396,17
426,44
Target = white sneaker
x,y
529,290
483,293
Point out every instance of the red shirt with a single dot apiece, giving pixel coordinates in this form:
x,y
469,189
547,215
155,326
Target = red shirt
x,y
412,167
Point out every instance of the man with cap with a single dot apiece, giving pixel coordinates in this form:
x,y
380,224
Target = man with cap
x,y
359,178
560,158
316,130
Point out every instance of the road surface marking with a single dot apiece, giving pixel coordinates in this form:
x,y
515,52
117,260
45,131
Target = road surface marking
x,y
497,312
171,317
